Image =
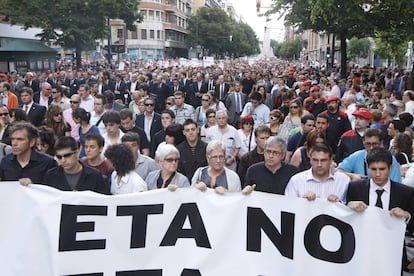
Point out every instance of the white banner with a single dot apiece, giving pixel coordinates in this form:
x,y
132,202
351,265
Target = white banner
x,y
48,232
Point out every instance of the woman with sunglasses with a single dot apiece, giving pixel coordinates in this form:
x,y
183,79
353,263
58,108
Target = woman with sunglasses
x,y
56,122
211,121
201,110
292,120
167,156
246,135
276,118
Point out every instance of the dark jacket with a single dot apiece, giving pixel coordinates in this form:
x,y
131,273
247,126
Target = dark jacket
x,y
190,160
90,180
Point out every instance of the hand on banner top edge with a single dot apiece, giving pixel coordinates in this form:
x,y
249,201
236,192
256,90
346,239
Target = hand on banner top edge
x,y
220,190
311,196
172,187
201,186
357,206
25,181
248,189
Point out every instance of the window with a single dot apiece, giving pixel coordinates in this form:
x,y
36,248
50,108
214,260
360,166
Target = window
x,y
143,34
152,34
158,34
133,35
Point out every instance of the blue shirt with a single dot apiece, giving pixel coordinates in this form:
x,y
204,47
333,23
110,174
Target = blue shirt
x,y
39,164
356,163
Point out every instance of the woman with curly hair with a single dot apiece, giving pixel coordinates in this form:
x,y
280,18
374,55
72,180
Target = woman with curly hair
x,y
82,117
124,179
56,122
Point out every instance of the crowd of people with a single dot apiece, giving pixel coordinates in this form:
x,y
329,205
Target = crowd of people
x,y
235,126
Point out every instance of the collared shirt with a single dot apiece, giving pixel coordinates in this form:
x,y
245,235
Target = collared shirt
x,y
27,107
230,138
64,103
130,183
385,197
334,184
87,103
4,99
185,112
147,125
356,163
43,101
39,164
260,113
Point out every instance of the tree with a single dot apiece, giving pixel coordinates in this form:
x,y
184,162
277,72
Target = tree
x,y
289,49
219,34
71,23
359,47
347,19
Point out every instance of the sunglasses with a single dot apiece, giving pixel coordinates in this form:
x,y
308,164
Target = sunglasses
x,y
248,123
149,104
4,114
54,92
58,114
59,157
205,100
294,107
168,103
212,116
74,102
170,160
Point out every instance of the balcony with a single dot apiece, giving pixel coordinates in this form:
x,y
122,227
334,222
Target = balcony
x,y
174,27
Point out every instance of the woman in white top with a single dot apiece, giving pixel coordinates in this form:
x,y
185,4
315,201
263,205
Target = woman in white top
x,y
246,135
216,176
167,157
124,179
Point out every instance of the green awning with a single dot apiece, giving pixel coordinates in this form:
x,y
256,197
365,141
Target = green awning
x,y
26,46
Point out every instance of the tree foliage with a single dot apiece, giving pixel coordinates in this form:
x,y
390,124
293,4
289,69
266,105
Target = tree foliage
x,y
359,47
219,34
71,23
347,19
287,49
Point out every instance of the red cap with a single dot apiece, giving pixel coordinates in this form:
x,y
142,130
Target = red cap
x,y
2,75
307,83
334,98
363,113
315,88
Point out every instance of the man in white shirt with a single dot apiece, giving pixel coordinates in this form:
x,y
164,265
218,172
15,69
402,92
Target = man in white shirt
x,y
112,122
408,99
319,181
227,134
86,98
97,113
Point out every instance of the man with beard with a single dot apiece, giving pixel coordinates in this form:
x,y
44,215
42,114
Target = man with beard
x,y
338,122
351,140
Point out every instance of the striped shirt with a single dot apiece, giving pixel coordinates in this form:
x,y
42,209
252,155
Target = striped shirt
x,y
334,184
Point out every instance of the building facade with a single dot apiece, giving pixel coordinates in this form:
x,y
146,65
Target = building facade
x,y
163,31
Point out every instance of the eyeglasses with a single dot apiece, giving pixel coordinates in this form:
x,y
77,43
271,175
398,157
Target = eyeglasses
x,y
58,114
59,157
293,107
171,160
74,102
147,104
248,123
368,144
275,153
4,114
216,157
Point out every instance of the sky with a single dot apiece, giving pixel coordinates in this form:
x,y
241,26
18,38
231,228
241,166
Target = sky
x,y
247,9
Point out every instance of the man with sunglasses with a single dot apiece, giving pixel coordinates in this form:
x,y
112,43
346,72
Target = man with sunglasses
x,y
149,120
71,174
43,97
5,118
67,115
25,164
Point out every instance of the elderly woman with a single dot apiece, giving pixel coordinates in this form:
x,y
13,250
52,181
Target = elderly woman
x,y
215,175
167,157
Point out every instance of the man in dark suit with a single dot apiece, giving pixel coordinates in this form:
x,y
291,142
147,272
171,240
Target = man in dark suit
x,y
382,192
120,89
234,103
221,89
31,82
160,92
149,120
72,83
35,111
43,97
176,86
197,89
